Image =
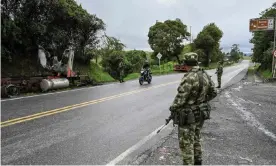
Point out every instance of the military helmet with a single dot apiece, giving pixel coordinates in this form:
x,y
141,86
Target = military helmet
x,y
191,57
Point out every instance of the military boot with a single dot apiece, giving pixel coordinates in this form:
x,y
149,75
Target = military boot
x,y
198,163
218,86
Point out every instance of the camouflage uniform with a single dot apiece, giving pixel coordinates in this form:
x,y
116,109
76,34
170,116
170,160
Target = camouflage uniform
x,y
121,71
186,105
219,73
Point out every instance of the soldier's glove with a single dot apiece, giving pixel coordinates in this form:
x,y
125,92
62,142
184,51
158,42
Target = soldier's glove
x,y
171,117
173,108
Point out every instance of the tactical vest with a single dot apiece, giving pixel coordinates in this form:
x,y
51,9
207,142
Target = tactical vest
x,y
201,111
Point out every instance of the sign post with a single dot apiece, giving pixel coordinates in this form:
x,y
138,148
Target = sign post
x,y
265,24
159,56
274,57
274,51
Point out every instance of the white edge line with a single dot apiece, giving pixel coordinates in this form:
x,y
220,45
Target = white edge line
x,y
73,90
25,97
135,147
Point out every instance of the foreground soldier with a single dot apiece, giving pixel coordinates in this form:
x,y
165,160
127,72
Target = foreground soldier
x,y
190,108
219,73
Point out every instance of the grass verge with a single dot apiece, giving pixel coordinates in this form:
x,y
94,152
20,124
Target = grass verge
x,y
132,76
266,73
247,57
98,75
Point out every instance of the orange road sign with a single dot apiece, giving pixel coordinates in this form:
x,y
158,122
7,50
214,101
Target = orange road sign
x,y
261,24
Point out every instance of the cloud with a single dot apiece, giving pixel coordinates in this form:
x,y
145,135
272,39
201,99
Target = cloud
x,y
129,20
167,2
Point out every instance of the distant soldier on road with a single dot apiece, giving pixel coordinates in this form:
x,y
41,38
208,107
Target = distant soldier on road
x,y
121,70
190,108
219,73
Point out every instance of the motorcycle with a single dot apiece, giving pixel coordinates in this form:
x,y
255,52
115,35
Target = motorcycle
x,y
145,76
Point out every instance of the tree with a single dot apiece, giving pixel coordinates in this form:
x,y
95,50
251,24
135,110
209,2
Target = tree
x,y
262,41
136,58
53,24
89,27
235,53
167,37
208,41
111,51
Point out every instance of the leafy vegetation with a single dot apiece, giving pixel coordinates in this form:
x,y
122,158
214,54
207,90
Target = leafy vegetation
x,y
167,37
263,43
55,25
97,74
247,57
207,44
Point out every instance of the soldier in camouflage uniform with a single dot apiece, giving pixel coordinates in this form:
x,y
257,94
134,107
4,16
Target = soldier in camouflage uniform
x,y
121,70
190,108
219,73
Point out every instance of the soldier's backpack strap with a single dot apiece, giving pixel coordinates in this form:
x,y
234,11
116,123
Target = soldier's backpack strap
x,y
209,79
200,77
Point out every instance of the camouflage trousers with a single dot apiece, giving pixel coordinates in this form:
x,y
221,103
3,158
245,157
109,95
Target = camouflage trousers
x,y
219,79
189,142
121,77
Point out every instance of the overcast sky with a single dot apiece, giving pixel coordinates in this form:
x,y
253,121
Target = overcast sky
x,y
129,20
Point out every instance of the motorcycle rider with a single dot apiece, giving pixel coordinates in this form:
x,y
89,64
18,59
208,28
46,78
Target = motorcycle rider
x,y
146,67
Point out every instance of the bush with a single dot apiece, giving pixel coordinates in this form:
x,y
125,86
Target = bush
x,y
135,60
111,62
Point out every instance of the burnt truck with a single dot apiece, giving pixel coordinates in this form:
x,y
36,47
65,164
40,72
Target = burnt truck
x,y
182,67
61,76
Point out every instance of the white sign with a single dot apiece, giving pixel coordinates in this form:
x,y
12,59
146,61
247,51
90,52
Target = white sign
x,y
159,56
270,24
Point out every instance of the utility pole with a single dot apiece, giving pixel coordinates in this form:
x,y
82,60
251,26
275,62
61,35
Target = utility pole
x,y
274,45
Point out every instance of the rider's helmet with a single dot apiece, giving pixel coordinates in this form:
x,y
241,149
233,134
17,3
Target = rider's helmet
x,y
191,57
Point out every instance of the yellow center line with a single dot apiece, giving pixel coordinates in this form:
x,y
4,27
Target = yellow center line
x,y
71,107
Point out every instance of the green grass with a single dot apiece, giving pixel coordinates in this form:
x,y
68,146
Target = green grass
x,y
266,73
98,75
132,76
246,57
251,70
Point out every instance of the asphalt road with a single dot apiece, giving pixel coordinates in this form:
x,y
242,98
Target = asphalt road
x,y
241,130
88,126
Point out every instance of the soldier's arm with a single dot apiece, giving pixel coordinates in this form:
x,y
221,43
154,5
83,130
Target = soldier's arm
x,y
212,92
184,90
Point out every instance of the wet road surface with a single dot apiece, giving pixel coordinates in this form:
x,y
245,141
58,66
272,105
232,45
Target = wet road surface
x,y
91,125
